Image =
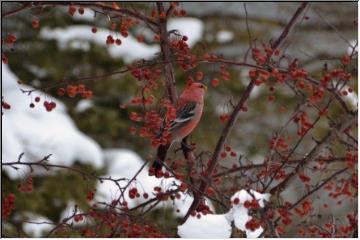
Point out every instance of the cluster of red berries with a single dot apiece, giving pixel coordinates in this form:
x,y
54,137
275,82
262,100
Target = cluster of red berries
x,y
159,174
253,204
90,195
27,185
72,10
229,150
78,217
110,40
305,208
134,230
49,106
262,56
285,215
153,122
280,174
278,143
133,193
203,208
148,78
7,205
73,90
303,122
253,224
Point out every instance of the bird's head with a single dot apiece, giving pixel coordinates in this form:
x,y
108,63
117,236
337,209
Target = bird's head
x,y
195,90
197,86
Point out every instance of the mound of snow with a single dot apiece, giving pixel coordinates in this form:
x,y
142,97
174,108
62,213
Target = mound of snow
x,y
79,36
219,225
208,226
124,163
38,133
37,225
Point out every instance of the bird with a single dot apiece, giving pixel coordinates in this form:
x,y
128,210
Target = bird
x,y
189,109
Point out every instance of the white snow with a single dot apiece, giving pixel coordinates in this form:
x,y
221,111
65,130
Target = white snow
x,y
219,225
208,226
240,213
69,211
36,225
130,49
123,163
38,133
83,105
224,36
193,28
353,44
352,99
88,15
79,36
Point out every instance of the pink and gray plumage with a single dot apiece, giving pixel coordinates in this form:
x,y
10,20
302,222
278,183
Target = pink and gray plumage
x,y
189,109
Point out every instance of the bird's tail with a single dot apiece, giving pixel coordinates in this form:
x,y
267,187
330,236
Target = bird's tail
x,y
160,158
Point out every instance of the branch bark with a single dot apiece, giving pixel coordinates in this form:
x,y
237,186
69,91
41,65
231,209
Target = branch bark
x,y
165,50
289,26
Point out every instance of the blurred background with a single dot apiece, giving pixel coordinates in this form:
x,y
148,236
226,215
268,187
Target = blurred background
x,y
93,134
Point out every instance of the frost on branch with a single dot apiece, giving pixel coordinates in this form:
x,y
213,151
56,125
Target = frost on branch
x,y
219,225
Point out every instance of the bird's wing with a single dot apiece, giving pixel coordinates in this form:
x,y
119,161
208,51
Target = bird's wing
x,y
184,114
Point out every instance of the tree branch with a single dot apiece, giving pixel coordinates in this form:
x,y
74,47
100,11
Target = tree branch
x,y
229,125
165,50
289,26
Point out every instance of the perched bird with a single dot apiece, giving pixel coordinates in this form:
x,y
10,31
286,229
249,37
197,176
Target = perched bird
x,y
189,109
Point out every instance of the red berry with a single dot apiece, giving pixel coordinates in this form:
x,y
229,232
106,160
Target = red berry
x,y
5,105
72,10
93,29
118,42
236,201
214,82
52,105
185,38
35,23
81,10
109,40
37,99
61,91
11,38
199,75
